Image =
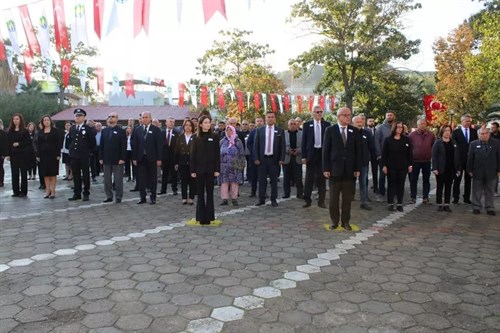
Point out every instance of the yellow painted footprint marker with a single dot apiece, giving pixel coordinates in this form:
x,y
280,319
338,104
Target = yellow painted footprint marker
x,y
340,229
194,223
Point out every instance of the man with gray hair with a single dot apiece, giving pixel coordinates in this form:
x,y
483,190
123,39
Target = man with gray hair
x,y
367,150
168,172
483,166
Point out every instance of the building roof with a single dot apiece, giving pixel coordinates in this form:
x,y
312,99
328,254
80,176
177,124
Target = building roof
x,y
101,112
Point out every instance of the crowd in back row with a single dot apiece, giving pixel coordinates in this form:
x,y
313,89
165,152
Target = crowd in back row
x,y
202,155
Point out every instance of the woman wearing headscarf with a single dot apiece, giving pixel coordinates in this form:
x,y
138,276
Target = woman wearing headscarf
x,y
232,157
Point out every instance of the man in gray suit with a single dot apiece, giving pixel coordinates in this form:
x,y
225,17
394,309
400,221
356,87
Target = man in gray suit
x,y
269,155
483,166
292,167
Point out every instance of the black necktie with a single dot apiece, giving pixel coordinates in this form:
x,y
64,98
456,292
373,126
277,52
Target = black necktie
x,y
344,136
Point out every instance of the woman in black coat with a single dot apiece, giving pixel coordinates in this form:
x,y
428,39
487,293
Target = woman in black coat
x,y
33,162
19,147
48,150
182,159
205,166
396,163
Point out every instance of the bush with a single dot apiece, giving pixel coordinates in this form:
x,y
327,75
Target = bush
x,y
31,105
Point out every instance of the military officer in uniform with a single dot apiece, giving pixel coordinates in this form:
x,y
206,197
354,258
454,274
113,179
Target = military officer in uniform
x,y
81,143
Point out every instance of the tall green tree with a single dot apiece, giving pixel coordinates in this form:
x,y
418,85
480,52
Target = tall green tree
x,y
360,37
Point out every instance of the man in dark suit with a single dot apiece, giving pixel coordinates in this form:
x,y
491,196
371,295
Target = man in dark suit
x,y
462,136
367,150
3,151
341,164
269,155
169,139
147,147
292,168
312,143
483,166
253,169
81,143
112,155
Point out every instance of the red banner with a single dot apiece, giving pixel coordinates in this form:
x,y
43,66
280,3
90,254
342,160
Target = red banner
x,y
3,55
311,102
28,30
332,103
28,65
239,96
66,71
273,102
182,89
256,101
322,102
60,30
204,96
210,7
220,96
129,85
100,79
160,82
299,103
430,105
286,101
98,16
141,16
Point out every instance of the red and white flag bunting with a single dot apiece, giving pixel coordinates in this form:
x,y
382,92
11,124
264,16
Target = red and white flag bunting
x,y
210,7
28,30
66,71
60,29
141,16
79,25
28,65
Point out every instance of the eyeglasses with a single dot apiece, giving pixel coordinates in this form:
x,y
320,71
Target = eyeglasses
x,y
111,116
318,111
345,115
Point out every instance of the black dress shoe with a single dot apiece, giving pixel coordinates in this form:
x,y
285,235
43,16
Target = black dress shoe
x,y
468,202
491,212
274,203
365,207
15,195
118,200
334,226
108,200
260,203
176,193
447,209
322,205
346,226
162,192
307,204
440,208
286,196
74,198
253,195
300,196
141,202
85,198
152,202
224,203
22,195
476,211
455,201
134,190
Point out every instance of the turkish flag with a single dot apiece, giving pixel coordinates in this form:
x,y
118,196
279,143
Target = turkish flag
x,y
311,102
141,16
204,96
98,16
66,71
160,82
332,103
129,85
299,103
220,96
322,102
273,102
28,30
182,89
28,65
100,79
60,30
210,7
256,101
286,101
3,54
239,96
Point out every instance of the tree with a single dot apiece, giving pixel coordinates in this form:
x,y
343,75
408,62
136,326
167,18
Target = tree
x,y
32,105
360,38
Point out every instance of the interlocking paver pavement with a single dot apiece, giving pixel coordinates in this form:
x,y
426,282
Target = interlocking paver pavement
x,y
93,267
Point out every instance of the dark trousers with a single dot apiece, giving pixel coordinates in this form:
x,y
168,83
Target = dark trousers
x,y
130,169
32,169
187,182
268,167
147,177
396,185
94,168
205,211
81,172
314,175
374,166
346,187
17,169
467,185
444,181
426,176
254,176
381,180
292,172
2,170
249,166
168,171
41,175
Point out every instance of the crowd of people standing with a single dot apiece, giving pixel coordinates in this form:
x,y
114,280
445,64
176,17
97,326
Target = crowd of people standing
x,y
201,156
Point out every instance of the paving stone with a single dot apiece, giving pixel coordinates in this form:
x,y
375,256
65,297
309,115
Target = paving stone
x,y
295,318
217,300
134,322
432,321
267,292
8,311
407,307
66,303
249,302
38,290
375,307
227,313
208,325
397,319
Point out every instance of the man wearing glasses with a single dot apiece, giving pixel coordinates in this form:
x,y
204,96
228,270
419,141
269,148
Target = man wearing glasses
x,y
312,144
81,143
112,155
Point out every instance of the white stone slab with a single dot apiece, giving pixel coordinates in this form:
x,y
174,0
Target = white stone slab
x,y
205,325
328,256
319,262
177,225
297,276
344,246
120,238
65,252
227,313
283,284
151,231
337,251
105,242
308,269
4,267
43,256
267,292
20,262
164,227
136,235
85,247
361,237
351,241
248,302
